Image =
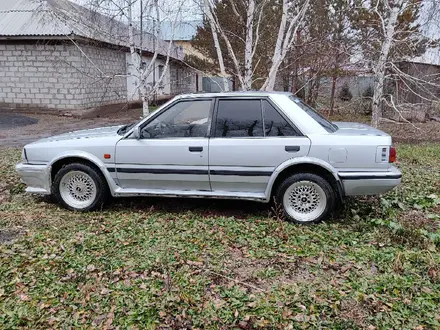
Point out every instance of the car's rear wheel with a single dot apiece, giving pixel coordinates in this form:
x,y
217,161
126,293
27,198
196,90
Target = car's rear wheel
x,y
80,187
306,198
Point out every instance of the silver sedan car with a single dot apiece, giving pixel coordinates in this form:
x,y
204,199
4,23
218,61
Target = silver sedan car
x,y
249,145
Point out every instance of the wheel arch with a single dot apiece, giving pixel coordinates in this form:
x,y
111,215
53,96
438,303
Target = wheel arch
x,y
304,165
81,157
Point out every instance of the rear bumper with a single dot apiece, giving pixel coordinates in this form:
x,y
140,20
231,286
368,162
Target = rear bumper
x,y
35,177
369,183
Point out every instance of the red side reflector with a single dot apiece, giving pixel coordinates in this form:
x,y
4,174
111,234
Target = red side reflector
x,y
393,155
107,156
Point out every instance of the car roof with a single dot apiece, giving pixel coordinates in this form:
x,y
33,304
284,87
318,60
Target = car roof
x,y
238,93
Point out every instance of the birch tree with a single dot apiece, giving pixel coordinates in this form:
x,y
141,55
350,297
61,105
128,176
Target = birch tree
x,y
144,71
293,13
389,34
149,15
119,22
389,29
242,33
219,52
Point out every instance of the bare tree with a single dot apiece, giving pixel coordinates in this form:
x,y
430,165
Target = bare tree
x,y
119,22
144,71
389,28
293,13
390,34
150,15
214,31
243,58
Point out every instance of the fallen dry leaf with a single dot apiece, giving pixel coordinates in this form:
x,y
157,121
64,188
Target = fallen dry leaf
x,y
90,268
194,263
105,291
24,297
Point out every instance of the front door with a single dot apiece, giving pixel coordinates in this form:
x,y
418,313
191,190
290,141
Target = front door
x,y
172,151
249,140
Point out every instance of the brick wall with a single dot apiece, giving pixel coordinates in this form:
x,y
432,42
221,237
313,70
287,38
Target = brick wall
x,y
60,76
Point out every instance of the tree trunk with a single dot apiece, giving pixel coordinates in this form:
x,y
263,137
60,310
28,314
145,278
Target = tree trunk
x,y
332,95
286,82
136,61
286,37
316,89
145,107
218,50
380,67
377,98
295,79
247,79
310,88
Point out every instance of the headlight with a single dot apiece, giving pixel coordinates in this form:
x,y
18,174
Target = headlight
x,y
23,156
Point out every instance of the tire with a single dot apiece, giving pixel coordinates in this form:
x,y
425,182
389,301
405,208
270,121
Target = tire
x,y
79,187
306,198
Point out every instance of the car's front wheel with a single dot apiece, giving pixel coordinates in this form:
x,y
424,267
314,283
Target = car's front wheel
x,y
306,198
80,187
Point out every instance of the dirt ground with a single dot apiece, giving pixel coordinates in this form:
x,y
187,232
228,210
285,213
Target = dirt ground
x,y
16,130
401,132
416,133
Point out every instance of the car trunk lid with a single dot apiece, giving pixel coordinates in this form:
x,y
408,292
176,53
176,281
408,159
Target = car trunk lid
x,y
345,128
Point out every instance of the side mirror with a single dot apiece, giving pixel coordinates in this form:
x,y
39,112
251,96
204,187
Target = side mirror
x,y
137,132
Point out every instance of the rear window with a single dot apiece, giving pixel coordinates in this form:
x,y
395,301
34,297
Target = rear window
x,y
328,126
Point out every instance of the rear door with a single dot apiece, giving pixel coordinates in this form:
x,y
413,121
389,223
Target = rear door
x,y
250,137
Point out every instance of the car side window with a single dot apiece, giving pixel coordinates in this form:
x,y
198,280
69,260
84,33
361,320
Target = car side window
x,y
274,123
183,119
239,118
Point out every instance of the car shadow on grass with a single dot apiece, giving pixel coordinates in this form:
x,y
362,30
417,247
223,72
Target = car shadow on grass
x,y
204,207
238,209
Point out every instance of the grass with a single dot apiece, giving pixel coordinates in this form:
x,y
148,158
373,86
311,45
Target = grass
x,y
171,263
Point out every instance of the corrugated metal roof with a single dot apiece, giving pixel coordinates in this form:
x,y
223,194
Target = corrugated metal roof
x,y
22,18
20,5
28,17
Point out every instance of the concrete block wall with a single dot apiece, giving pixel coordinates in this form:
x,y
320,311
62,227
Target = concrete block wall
x,y
103,76
59,76
183,80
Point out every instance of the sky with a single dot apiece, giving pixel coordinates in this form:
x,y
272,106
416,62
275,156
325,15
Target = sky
x,y
430,26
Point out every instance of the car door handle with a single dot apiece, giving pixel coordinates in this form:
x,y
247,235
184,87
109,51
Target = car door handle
x,y
292,148
195,149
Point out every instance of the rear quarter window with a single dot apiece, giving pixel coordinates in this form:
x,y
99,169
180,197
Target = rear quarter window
x,y
274,123
327,125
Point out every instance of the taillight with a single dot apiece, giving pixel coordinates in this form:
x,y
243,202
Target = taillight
x,y
393,155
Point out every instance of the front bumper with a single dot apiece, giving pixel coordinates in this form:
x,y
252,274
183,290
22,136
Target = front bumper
x,y
36,178
370,183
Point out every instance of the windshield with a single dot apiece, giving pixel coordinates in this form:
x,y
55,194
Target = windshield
x,y
328,126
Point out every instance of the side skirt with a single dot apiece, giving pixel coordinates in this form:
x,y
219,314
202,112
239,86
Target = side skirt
x,y
258,197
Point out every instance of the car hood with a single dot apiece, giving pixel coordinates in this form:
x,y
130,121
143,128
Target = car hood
x,y
84,134
346,128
